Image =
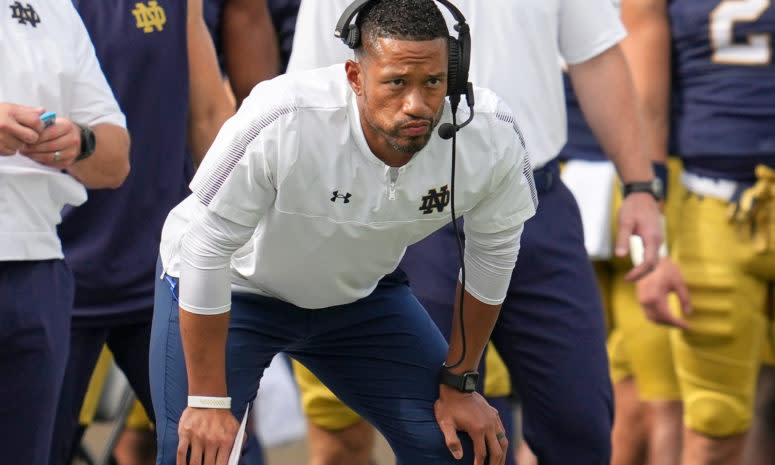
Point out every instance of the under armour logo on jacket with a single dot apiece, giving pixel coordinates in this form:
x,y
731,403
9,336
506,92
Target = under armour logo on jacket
x,y
345,197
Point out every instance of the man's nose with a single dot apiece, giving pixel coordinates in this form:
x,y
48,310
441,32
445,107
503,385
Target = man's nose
x,y
415,104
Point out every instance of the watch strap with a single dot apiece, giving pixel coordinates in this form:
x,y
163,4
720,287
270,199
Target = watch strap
x,y
652,187
464,382
88,143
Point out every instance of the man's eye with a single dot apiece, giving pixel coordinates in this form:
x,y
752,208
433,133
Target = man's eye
x,y
397,82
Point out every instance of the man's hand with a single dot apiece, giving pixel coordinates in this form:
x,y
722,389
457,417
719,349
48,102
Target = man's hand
x,y
208,433
639,214
457,411
19,126
654,289
58,145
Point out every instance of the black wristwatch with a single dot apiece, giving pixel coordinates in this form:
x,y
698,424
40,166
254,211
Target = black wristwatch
x,y
465,382
653,187
88,143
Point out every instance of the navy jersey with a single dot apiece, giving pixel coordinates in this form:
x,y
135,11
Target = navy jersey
x,y
111,242
284,18
582,143
725,81
212,10
283,14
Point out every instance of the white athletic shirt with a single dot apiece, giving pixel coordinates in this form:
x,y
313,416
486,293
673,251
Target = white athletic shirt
x,y
47,61
322,219
515,49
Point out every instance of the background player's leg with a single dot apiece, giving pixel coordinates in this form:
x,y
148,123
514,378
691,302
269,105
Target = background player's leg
x,y
352,445
551,334
36,299
760,445
129,345
86,344
335,434
718,358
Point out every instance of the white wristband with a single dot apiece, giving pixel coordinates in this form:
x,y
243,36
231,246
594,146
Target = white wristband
x,y
209,402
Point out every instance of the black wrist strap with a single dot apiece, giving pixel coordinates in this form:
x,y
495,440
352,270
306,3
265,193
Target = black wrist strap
x,y
87,146
653,187
465,382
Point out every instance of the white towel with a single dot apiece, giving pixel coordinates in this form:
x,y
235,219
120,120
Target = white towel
x,y
236,448
592,183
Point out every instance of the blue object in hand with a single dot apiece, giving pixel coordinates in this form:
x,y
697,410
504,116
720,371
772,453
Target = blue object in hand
x,y
48,118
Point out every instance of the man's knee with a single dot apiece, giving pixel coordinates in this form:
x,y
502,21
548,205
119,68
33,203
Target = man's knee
x,y
716,414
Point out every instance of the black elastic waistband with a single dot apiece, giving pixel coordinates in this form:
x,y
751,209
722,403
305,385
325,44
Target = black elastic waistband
x,y
547,176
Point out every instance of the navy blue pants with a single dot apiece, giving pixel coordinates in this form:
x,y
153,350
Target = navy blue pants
x,y
128,341
551,331
380,355
36,299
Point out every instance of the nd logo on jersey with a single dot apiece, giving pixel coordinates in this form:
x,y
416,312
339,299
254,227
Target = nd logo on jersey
x,y
25,15
435,199
149,16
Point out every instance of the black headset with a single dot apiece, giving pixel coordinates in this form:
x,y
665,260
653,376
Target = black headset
x,y
459,56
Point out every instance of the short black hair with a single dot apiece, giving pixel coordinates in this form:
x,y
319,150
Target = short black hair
x,y
402,20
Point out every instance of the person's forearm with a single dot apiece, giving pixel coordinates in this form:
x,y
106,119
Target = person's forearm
x,y
250,44
203,128
647,49
479,319
607,96
204,346
108,166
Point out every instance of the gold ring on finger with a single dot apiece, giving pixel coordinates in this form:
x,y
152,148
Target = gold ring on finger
x,y
500,435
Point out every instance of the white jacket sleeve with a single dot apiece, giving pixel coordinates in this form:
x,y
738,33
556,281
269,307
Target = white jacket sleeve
x,y
493,228
205,253
489,260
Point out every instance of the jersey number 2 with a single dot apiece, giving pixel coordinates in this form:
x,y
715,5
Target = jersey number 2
x,y
756,50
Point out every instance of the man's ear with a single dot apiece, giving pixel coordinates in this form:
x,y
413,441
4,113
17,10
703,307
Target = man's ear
x,y
354,72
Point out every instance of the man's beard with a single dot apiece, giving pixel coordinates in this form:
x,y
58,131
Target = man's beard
x,y
414,143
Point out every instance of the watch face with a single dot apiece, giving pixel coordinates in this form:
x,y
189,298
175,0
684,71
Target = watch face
x,y
470,382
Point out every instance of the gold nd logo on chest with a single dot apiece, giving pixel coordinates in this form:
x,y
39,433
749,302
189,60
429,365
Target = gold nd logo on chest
x,y
435,200
149,17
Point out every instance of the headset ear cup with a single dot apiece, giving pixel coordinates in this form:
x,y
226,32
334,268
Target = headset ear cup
x,y
353,38
453,71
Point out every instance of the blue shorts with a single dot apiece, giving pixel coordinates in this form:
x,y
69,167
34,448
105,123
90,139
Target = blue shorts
x,y
366,352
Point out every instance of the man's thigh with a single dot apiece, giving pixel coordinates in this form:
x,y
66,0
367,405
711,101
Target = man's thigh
x,y
382,356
